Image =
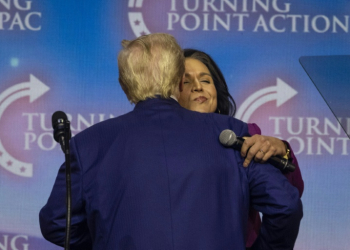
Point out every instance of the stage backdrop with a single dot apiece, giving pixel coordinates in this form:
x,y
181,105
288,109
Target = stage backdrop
x,y
61,55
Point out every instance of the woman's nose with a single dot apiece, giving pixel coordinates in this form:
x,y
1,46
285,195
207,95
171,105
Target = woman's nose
x,y
197,86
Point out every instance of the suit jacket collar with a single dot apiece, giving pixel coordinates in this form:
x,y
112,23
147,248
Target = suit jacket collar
x,y
156,102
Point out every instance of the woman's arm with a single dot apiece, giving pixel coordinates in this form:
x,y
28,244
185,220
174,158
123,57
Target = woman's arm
x,y
295,177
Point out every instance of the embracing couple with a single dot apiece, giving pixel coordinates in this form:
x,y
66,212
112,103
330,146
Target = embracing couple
x,y
158,177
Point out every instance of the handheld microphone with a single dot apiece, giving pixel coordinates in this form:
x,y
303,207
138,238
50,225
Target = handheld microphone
x,y
61,128
228,138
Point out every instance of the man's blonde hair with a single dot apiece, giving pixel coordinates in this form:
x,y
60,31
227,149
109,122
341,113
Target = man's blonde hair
x,y
150,65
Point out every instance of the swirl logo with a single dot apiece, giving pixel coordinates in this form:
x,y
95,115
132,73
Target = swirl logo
x,y
282,92
136,20
34,89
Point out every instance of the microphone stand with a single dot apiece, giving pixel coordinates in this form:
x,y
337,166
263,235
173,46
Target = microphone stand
x,y
64,141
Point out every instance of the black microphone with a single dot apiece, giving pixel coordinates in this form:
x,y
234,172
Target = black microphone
x,y
228,138
62,134
61,128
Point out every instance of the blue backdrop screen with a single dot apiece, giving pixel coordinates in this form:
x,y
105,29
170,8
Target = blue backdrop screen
x,y
61,55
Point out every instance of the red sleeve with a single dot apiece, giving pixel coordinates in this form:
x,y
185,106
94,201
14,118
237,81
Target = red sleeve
x,y
254,129
295,177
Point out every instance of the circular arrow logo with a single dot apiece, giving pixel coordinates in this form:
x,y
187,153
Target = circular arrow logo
x,y
34,89
282,92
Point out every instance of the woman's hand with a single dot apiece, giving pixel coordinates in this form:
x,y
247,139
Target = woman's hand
x,y
261,148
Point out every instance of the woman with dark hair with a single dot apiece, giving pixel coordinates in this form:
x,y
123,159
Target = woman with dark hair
x,y
225,104
204,89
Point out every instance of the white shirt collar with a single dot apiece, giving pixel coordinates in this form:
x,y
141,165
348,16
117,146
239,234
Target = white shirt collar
x,y
172,96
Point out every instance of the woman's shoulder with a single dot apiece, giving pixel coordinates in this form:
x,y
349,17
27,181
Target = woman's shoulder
x,y
253,129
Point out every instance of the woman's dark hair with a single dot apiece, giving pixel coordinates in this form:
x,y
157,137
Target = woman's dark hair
x,y
226,104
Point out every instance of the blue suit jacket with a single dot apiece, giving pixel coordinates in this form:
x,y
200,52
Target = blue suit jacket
x,y
158,178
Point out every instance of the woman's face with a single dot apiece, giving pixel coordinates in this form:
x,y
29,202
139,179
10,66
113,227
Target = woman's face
x,y
198,92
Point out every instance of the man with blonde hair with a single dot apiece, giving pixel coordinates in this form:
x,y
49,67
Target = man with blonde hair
x,y
149,66
158,178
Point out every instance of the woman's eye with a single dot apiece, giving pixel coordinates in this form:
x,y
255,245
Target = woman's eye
x,y
206,81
